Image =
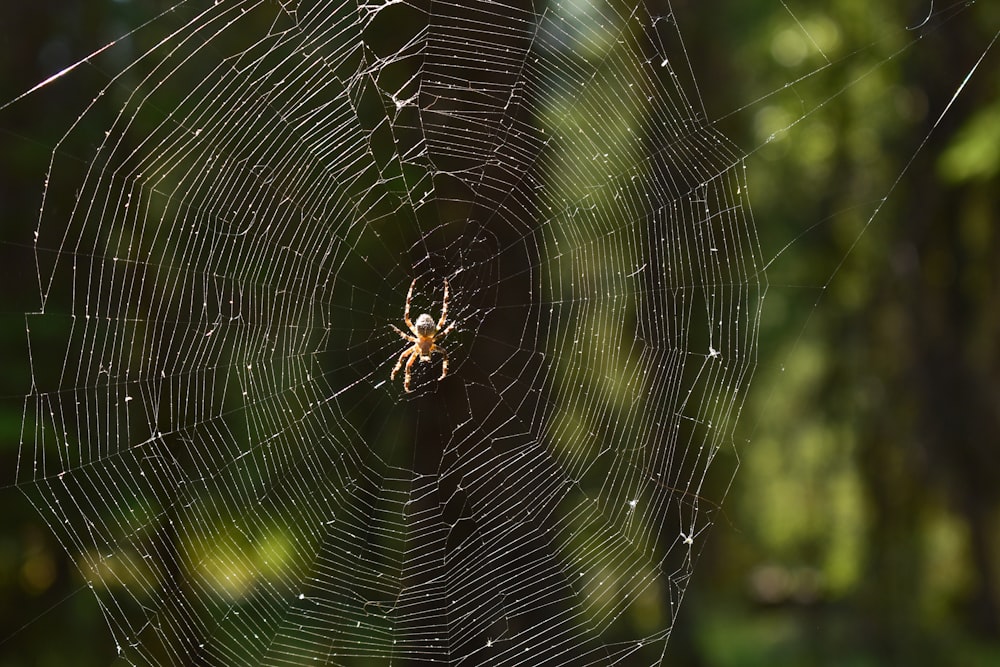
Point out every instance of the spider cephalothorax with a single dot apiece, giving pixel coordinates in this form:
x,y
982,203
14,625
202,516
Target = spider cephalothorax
x,y
425,334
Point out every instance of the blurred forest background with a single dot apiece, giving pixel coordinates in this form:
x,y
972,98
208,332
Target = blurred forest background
x,y
863,525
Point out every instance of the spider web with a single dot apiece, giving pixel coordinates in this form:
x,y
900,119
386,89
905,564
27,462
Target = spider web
x,y
212,431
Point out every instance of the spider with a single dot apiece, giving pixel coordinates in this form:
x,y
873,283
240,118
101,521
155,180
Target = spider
x,y
424,338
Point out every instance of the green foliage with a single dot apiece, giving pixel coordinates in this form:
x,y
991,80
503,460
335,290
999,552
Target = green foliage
x,y
974,153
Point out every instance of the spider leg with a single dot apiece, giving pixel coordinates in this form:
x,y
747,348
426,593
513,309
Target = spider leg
x,y
444,364
406,310
408,352
406,374
446,330
405,336
444,305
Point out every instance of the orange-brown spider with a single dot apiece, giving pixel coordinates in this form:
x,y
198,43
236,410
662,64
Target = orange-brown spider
x,y
424,338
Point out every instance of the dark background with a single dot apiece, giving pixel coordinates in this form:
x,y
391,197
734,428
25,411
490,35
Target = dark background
x,y
863,525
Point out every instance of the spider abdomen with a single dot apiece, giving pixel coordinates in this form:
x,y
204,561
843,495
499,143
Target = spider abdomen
x,y
425,325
